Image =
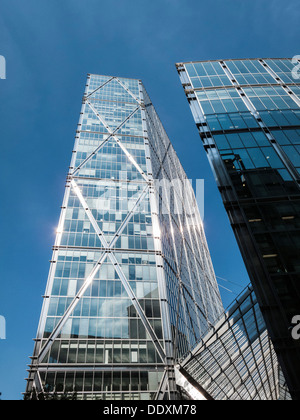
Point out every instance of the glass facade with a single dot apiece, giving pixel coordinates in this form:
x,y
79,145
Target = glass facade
x,y
131,286
236,360
248,116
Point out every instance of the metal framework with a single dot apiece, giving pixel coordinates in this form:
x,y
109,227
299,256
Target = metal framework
x,y
236,359
120,134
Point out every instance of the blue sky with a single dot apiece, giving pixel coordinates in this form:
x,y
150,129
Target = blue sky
x,y
50,46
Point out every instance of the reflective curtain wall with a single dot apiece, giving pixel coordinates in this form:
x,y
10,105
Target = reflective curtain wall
x,y
236,359
131,286
248,116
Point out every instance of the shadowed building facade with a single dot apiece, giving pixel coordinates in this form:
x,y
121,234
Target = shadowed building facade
x,y
248,116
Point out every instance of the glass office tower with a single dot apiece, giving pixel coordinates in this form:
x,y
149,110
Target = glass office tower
x,y
131,285
248,116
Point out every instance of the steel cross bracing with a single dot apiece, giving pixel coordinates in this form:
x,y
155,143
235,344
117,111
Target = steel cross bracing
x,y
112,135
108,247
129,156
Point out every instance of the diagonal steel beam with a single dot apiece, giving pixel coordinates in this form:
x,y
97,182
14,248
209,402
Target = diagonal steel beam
x,y
162,387
94,222
100,87
128,217
71,308
129,156
137,307
111,135
89,214
96,268
129,91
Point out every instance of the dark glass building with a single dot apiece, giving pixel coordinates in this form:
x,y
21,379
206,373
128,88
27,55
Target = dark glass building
x,y
248,116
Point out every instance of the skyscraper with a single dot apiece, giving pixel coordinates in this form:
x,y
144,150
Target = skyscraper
x,y
248,116
131,286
